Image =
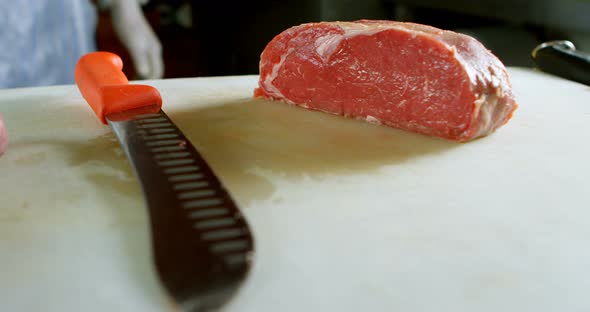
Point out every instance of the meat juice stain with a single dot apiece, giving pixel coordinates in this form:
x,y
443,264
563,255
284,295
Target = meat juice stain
x,y
246,187
240,137
102,152
106,152
106,166
31,159
293,142
96,159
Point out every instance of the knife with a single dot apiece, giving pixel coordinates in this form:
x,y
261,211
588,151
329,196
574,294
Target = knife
x,y
201,243
561,58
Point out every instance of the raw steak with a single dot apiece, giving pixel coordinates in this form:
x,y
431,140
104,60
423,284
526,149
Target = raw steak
x,y
404,75
3,136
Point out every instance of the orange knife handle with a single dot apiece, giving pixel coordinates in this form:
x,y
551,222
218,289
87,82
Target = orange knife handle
x,y
105,87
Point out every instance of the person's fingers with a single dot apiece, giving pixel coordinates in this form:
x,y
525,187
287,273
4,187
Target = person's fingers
x,y
147,55
137,36
157,62
140,62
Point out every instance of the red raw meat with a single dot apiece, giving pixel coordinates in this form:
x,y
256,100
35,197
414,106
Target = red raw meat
x,y
3,136
404,75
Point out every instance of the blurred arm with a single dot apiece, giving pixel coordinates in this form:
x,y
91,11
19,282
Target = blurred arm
x,y
138,37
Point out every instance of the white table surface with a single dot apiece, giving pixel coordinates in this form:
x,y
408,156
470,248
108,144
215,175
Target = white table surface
x,y
347,216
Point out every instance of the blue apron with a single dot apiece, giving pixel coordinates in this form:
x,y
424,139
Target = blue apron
x,y
41,40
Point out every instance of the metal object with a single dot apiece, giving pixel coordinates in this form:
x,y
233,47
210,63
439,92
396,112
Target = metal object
x,y
561,58
202,245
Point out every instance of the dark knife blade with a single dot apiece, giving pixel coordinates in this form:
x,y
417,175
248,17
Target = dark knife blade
x,y
202,244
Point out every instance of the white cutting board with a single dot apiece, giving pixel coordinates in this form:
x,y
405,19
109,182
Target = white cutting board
x,y
347,216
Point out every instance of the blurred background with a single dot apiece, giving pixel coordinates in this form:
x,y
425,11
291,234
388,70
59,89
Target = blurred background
x,y
211,38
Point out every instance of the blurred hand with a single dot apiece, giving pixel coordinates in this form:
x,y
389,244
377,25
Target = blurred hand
x,y
138,37
3,136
